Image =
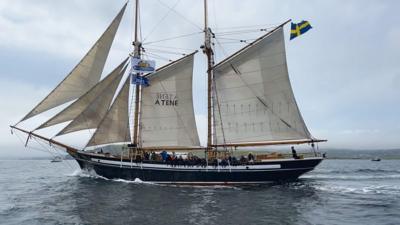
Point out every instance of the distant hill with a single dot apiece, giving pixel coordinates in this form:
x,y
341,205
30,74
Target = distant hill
x,y
362,154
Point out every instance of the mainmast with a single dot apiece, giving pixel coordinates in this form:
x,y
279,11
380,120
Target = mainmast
x,y
210,63
137,53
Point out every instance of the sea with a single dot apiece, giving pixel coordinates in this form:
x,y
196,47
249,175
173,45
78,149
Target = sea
x,y
336,192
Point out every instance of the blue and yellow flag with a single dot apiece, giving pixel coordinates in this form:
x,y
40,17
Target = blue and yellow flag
x,y
299,29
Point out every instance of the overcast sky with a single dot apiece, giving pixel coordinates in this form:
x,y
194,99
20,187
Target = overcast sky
x,y
345,71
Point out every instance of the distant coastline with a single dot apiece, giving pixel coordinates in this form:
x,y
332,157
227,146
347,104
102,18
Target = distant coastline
x,y
386,154
362,154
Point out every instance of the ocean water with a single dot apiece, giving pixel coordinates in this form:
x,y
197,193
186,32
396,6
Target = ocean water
x,y
337,192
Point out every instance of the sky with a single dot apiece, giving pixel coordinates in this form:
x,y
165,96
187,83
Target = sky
x,y
345,71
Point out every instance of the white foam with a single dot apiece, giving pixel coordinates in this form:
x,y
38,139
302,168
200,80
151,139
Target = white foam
x,y
351,177
136,181
372,189
86,173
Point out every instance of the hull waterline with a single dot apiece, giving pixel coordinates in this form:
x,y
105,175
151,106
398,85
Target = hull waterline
x,y
265,172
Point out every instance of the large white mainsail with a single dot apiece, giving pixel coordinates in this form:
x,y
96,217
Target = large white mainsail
x,y
94,113
114,127
77,107
255,98
167,115
85,75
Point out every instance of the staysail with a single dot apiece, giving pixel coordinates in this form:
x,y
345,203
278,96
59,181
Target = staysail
x,y
77,107
85,75
114,127
94,113
167,115
255,98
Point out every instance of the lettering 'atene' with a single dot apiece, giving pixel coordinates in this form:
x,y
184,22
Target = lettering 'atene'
x,y
165,99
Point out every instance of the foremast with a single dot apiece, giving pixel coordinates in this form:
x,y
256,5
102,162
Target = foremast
x,y
138,90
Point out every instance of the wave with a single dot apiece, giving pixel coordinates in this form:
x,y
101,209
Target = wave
x,y
376,171
93,174
86,173
342,171
374,189
350,177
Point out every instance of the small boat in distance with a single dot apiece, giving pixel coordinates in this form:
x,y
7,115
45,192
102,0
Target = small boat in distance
x,y
56,159
376,159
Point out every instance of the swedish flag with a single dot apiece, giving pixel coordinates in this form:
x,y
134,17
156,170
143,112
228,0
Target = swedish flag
x,y
298,29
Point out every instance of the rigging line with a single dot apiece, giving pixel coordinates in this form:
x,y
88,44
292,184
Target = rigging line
x,y
237,72
248,26
234,32
44,147
132,22
160,57
222,48
176,12
219,111
165,51
131,107
159,46
232,42
215,15
160,21
27,146
55,154
140,22
240,40
172,38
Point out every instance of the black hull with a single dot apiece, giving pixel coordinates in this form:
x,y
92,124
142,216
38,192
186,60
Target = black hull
x,y
113,168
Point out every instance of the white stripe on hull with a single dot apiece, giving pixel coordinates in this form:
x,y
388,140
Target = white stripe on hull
x,y
168,166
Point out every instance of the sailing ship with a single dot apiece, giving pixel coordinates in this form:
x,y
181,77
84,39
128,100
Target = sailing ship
x,y
250,104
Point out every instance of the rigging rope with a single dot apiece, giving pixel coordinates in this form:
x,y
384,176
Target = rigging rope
x,y
161,20
177,13
170,47
166,51
172,38
158,56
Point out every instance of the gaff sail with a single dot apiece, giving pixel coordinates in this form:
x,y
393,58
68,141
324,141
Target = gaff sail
x,y
255,98
167,115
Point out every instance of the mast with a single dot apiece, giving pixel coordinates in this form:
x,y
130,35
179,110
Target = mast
x,y
137,53
210,63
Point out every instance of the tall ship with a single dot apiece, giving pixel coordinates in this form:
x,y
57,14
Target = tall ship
x,y
147,114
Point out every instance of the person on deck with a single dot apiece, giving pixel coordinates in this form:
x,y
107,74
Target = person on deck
x,y
164,155
250,157
294,153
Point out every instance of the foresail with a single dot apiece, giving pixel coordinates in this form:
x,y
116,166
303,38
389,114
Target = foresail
x,y
77,107
255,98
114,127
96,110
85,75
167,115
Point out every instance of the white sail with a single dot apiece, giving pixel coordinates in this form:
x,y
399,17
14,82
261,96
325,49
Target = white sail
x,y
77,107
255,98
85,75
96,110
114,127
167,115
